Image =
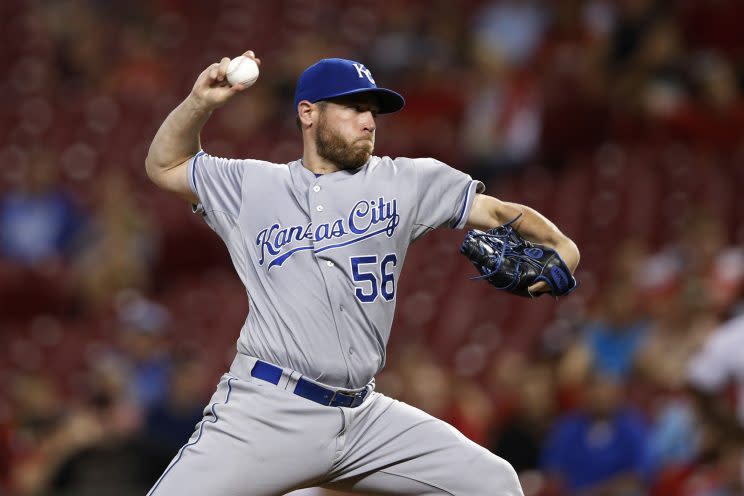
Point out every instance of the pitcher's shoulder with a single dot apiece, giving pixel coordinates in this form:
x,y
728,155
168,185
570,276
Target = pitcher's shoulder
x,y
270,165
265,167
410,161
239,161
395,165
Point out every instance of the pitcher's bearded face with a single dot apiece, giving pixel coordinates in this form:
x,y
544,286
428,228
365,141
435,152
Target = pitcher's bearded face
x,y
345,132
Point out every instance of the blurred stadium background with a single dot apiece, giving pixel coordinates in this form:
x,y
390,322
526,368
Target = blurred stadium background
x,y
621,120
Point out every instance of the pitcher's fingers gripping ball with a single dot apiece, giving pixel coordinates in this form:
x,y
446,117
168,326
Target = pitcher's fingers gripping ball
x,y
511,263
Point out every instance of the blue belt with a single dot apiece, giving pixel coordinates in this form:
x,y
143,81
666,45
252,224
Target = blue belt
x,y
310,390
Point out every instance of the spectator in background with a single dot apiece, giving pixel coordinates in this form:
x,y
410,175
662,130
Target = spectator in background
x,y
687,288
39,222
710,371
119,247
511,30
674,440
705,258
715,118
37,415
728,470
719,474
600,449
502,122
713,373
681,321
504,383
573,81
414,39
85,448
80,62
660,71
610,342
429,387
143,350
521,437
471,410
633,19
172,418
115,458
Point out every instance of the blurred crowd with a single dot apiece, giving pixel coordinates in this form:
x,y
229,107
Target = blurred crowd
x,y
621,120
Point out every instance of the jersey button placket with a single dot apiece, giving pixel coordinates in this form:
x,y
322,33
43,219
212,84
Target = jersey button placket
x,y
316,189
315,199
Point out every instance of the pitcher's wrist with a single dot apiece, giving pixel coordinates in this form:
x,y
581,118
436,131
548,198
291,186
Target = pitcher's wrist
x,y
198,105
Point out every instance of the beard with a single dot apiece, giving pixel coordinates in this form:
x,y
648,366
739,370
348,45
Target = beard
x,y
333,147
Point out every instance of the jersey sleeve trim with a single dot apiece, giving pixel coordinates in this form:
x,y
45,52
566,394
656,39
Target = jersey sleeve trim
x,y
197,208
473,187
192,172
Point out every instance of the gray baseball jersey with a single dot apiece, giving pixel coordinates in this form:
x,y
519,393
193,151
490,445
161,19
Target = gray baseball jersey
x,y
320,256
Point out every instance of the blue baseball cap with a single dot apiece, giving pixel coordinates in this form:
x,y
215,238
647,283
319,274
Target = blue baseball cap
x,y
330,78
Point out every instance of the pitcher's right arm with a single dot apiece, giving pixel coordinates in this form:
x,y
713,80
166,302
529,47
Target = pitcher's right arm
x,y
177,140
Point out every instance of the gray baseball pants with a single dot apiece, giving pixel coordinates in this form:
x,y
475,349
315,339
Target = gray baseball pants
x,y
258,439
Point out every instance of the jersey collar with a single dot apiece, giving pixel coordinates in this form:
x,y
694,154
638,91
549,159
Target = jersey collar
x,y
309,177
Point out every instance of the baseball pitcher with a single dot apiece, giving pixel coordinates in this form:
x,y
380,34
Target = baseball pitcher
x,y
319,244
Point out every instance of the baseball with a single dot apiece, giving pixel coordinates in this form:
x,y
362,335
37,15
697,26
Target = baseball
x,y
242,70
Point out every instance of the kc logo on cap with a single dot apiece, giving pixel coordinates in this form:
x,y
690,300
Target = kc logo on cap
x,y
331,78
363,71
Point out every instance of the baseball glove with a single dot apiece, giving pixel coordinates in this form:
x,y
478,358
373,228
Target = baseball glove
x,y
513,264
